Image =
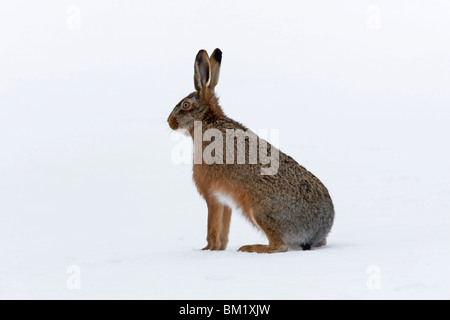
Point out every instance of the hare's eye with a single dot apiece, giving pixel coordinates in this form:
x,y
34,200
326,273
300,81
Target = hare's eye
x,y
186,105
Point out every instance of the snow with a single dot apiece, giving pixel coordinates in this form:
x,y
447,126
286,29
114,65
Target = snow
x,y
359,93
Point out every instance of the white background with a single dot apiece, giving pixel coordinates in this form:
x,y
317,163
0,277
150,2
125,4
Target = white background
x,y
360,94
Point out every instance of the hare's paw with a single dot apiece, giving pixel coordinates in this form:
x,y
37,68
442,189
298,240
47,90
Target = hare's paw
x,y
253,248
214,246
322,243
261,248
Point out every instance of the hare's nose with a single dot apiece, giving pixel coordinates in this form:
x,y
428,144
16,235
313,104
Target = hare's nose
x,y
172,122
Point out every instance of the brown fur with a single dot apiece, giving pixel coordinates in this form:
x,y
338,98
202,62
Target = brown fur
x,y
292,207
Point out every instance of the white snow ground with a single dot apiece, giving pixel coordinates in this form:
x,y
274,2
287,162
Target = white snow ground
x,y
360,93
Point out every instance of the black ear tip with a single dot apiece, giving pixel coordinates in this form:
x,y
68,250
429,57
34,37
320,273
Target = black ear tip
x,y
218,55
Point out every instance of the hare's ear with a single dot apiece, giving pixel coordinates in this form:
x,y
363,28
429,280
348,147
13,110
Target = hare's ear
x,y
202,70
215,60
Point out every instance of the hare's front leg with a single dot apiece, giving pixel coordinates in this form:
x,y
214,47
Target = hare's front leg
x,y
216,225
226,219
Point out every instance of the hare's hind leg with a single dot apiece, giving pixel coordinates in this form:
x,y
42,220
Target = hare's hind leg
x,y
321,243
262,248
276,244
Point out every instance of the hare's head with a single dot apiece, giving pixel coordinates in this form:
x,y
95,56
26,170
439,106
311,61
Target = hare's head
x,y
202,104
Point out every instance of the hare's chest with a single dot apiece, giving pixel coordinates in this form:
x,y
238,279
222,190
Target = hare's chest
x,y
225,199
203,179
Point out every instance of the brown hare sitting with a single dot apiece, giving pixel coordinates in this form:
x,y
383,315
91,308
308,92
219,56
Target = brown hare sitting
x,y
283,199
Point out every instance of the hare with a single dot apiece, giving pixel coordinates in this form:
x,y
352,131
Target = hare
x,y
290,205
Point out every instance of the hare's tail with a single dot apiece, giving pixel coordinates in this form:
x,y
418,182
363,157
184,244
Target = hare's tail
x,y
307,246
